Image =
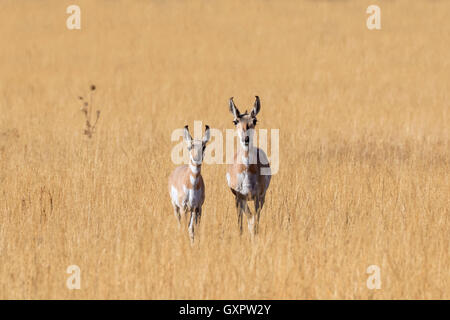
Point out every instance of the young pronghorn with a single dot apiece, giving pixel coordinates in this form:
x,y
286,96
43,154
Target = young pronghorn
x,y
186,187
249,175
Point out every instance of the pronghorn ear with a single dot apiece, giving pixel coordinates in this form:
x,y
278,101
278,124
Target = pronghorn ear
x,y
256,107
207,135
234,110
187,135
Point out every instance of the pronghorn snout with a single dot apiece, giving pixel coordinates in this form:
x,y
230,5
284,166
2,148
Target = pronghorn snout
x,y
247,139
196,153
246,136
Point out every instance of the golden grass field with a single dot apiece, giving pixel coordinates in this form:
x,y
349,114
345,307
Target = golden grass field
x,y
364,148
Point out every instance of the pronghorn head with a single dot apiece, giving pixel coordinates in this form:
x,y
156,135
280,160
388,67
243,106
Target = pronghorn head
x,y
196,148
245,123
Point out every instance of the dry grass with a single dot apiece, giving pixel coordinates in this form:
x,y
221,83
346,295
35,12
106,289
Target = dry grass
x,y
364,173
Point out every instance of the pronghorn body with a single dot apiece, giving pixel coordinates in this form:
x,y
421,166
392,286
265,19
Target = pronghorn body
x,y
186,186
243,177
249,175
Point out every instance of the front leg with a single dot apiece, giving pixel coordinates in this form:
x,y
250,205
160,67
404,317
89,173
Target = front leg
x,y
240,208
191,227
253,217
198,216
176,211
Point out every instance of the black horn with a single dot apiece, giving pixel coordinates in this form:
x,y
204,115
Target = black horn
x,y
233,109
256,106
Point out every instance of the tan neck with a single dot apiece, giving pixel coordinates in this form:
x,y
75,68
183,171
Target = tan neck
x,y
195,169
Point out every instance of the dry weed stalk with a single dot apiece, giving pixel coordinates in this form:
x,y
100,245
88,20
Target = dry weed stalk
x,y
87,110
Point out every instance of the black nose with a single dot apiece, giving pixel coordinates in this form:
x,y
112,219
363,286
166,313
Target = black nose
x,y
247,139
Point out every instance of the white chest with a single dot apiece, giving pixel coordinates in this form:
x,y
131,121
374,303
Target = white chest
x,y
247,183
193,198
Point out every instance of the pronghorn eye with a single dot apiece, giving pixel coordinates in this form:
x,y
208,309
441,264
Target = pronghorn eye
x,y
235,121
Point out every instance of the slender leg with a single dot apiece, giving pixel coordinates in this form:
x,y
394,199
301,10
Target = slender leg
x,y
250,221
252,218
176,211
191,227
198,216
262,199
240,205
257,204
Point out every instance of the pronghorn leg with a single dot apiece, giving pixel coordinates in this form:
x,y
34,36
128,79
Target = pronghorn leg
x,y
191,227
250,221
257,213
262,199
252,218
198,216
176,211
184,214
240,208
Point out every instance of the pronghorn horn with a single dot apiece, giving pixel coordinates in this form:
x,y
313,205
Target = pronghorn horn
x,y
207,134
233,109
187,135
256,106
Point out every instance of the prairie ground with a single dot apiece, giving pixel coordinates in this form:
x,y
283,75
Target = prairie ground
x,y
364,148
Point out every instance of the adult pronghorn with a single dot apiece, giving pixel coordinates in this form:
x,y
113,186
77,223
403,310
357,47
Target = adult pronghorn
x,y
249,174
186,187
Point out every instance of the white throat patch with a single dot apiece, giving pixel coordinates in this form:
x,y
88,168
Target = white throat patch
x,y
194,169
193,180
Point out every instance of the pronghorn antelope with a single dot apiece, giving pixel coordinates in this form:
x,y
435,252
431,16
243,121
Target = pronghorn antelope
x,y
186,187
249,175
